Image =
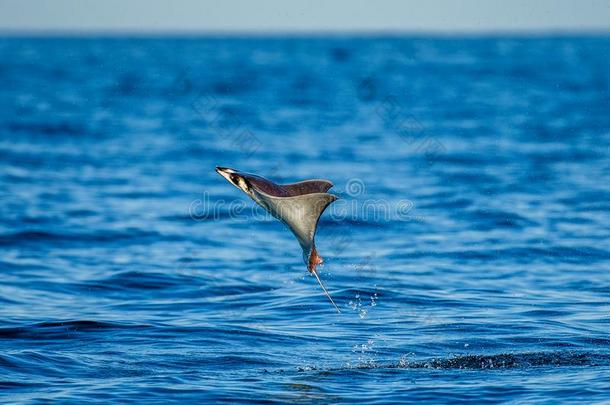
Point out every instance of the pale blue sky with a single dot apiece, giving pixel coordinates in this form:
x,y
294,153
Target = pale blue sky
x,y
304,15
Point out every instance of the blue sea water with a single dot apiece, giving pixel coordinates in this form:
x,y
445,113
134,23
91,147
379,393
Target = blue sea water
x,y
469,249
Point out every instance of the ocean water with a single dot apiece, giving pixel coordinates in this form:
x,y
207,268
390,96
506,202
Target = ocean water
x,y
469,249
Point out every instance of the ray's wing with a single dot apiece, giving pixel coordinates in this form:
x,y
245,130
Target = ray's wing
x,y
289,190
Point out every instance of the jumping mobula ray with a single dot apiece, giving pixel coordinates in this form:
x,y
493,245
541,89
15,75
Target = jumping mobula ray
x,y
298,205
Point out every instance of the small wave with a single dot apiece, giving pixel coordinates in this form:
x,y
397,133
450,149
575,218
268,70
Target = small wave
x,y
488,362
46,128
495,219
58,365
47,330
512,360
136,280
18,384
29,236
517,254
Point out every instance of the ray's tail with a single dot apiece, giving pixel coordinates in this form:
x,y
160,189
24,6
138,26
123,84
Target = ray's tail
x,y
315,273
314,260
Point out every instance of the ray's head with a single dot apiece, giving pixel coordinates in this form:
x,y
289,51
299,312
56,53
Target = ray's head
x,y
239,180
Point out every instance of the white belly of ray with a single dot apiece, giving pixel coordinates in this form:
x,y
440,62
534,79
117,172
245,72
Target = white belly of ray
x,y
300,213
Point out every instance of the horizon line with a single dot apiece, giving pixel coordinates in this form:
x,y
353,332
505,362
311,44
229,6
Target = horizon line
x,y
364,33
